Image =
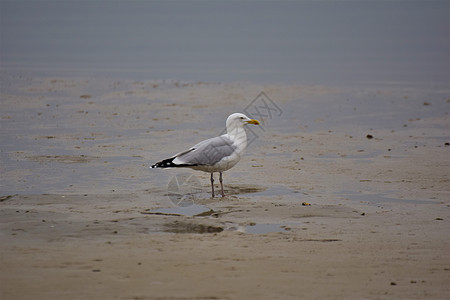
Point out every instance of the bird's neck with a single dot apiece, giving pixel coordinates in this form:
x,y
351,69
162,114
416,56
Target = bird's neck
x,y
237,135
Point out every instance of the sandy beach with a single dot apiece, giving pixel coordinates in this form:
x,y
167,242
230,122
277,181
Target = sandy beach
x,y
343,192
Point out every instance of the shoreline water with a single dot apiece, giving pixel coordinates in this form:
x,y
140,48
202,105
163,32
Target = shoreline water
x,y
371,162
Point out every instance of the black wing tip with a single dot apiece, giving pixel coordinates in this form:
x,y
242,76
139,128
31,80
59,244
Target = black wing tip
x,y
168,163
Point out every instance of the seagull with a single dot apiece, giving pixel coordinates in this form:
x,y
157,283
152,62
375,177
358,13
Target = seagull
x,y
216,154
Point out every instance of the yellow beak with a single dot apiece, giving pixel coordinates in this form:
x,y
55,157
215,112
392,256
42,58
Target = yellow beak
x,y
253,121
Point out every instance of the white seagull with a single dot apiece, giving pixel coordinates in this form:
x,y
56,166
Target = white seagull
x,y
217,154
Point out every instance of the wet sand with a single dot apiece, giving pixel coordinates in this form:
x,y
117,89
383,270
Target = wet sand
x,y
344,193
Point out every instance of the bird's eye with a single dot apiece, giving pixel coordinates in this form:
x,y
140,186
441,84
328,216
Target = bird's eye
x,y
242,118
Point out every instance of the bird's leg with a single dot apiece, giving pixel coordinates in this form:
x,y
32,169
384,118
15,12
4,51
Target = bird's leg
x,y
212,185
221,183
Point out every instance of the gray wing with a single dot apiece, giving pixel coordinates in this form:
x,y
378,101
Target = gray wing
x,y
207,152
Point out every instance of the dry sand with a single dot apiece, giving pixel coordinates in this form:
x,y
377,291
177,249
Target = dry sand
x,y
344,195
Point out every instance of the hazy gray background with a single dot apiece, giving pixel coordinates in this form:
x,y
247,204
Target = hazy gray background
x,y
262,41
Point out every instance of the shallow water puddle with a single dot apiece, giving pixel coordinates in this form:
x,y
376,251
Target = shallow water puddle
x,y
187,211
265,228
179,226
205,226
186,227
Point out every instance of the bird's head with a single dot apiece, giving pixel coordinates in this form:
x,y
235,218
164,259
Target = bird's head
x,y
238,119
